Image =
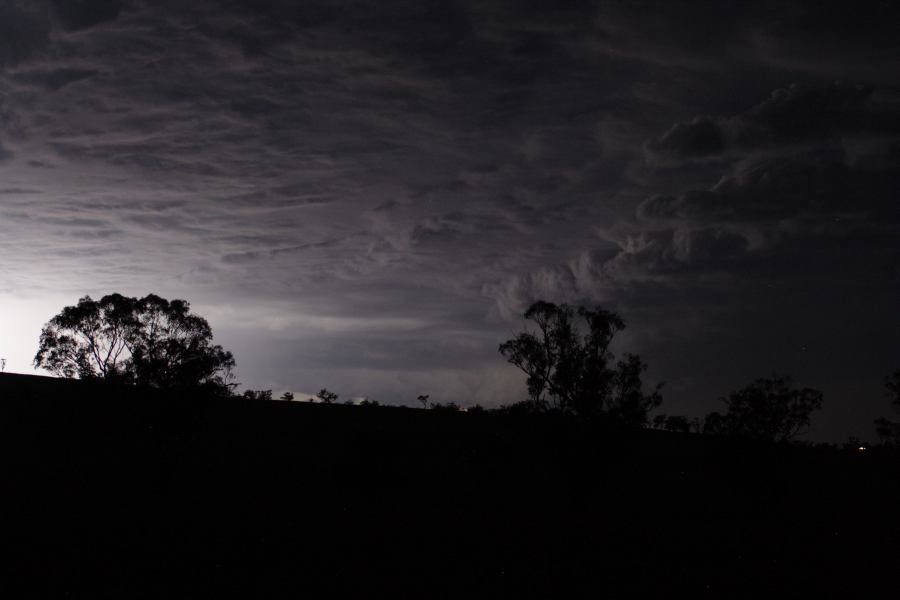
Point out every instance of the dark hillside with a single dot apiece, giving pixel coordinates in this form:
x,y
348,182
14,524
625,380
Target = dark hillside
x,y
126,493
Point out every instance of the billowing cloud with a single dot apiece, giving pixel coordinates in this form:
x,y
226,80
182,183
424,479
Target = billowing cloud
x,y
811,164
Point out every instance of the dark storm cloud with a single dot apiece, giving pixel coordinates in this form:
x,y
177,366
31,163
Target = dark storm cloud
x,y
802,114
383,187
811,164
82,14
700,137
25,27
52,79
777,188
820,165
825,38
23,32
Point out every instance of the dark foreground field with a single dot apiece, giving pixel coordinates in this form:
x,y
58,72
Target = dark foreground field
x,y
116,493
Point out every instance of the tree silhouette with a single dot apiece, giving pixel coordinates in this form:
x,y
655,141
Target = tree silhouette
x,y
571,369
149,341
326,397
627,400
173,347
91,340
889,431
767,409
287,396
423,398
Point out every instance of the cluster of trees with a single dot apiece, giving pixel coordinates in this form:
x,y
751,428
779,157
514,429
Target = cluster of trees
x,y
324,396
570,369
148,341
769,409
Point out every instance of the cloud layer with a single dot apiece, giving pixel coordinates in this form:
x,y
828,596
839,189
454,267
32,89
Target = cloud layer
x,y
359,192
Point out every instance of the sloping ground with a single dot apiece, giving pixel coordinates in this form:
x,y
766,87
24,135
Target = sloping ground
x,y
124,493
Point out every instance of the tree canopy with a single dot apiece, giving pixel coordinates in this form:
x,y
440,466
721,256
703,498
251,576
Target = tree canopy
x,y
570,367
149,341
91,340
767,409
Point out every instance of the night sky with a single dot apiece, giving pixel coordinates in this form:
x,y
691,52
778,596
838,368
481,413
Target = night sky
x,y
365,196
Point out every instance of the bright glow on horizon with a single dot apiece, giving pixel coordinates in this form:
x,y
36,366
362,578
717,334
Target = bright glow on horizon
x,y
21,320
